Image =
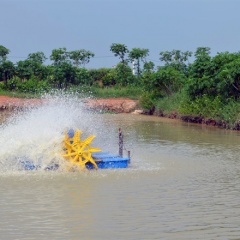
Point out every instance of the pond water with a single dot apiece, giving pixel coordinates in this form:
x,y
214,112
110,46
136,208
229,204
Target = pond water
x,y
183,181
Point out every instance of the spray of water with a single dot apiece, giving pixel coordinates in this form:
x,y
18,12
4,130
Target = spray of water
x,y
36,134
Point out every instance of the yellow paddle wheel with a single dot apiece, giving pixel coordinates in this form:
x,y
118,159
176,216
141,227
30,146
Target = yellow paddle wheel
x,y
79,152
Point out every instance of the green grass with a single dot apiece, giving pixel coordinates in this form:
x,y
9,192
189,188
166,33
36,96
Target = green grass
x,y
85,91
108,92
169,104
18,94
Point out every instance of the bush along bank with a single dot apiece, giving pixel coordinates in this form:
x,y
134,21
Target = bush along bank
x,y
204,110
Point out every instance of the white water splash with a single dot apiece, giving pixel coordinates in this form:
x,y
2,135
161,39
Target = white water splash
x,y
36,134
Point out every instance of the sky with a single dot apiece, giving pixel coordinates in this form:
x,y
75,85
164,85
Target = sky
x,y
28,26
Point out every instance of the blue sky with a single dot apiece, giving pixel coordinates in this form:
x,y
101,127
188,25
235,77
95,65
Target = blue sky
x,y
29,26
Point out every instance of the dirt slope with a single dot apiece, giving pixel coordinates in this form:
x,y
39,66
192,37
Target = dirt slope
x,y
118,105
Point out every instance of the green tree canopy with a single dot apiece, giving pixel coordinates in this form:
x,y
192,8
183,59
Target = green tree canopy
x,y
7,70
139,55
3,53
176,59
119,50
59,56
165,82
202,64
37,57
123,75
80,57
24,69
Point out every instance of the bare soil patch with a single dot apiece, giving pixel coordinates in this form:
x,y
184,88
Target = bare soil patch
x,y
118,105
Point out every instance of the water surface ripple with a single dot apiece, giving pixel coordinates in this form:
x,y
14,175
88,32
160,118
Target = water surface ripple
x,y
183,183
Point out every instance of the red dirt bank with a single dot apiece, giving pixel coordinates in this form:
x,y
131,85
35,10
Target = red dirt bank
x,y
12,102
118,105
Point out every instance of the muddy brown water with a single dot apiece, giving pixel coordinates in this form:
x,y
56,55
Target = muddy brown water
x,y
183,183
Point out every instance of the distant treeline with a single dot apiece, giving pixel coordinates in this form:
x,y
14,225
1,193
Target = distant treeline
x,y
208,86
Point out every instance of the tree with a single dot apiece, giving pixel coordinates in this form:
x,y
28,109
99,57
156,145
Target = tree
x,y
167,81
24,69
138,55
148,73
97,75
221,59
83,76
80,57
202,64
176,59
228,80
38,57
27,68
59,56
7,70
64,75
119,50
148,66
201,75
123,75
3,53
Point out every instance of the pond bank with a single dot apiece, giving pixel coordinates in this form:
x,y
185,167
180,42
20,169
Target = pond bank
x,y
116,105
10,103
196,119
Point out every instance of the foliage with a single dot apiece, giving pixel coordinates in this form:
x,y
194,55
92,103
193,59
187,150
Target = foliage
x,y
123,75
14,83
80,57
164,82
24,69
202,64
83,76
33,85
59,56
170,103
37,57
4,92
230,112
138,55
98,74
107,92
219,76
109,79
3,53
206,106
221,59
64,74
119,50
7,70
228,80
148,67
176,59
148,100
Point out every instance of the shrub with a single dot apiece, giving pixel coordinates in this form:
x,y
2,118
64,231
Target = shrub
x,y
206,106
33,85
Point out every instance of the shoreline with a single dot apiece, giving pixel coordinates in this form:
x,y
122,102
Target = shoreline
x,y
116,105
